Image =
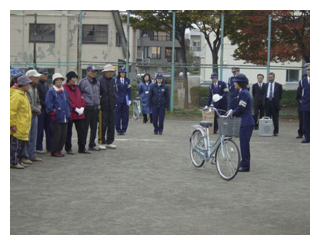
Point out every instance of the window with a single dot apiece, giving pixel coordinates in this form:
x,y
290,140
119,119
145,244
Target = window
x,y
118,40
162,36
45,33
95,34
169,54
292,76
151,52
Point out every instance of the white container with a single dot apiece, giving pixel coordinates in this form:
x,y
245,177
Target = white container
x,y
265,127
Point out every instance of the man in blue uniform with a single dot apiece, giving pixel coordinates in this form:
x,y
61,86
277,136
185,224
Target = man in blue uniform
x,y
220,88
233,91
304,91
159,100
123,102
242,109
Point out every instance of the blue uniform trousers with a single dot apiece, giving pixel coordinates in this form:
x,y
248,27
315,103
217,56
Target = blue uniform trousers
x,y
306,124
122,117
158,114
245,135
44,124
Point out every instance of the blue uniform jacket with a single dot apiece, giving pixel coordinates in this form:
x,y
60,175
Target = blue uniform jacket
x,y
243,108
222,90
58,102
144,91
123,90
159,95
304,93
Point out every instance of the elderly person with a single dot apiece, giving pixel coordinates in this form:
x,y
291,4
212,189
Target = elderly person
x,y
30,154
20,122
77,113
43,118
108,93
58,107
90,90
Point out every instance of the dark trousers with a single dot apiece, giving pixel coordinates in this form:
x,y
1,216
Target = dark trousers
x,y
44,125
91,119
122,117
80,127
258,109
59,135
145,117
306,124
244,136
108,126
300,129
272,112
158,114
16,150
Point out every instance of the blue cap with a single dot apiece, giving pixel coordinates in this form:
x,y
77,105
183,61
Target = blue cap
x,y
241,78
122,69
43,70
16,71
214,75
235,68
307,66
159,75
91,68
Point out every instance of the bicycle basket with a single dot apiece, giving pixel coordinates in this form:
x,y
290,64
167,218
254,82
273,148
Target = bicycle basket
x,y
229,126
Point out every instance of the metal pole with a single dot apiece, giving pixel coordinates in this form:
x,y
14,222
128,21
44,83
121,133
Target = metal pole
x,y
79,44
269,44
221,47
172,59
128,35
35,43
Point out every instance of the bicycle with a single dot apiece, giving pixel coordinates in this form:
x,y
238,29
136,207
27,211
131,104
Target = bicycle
x,y
136,108
224,152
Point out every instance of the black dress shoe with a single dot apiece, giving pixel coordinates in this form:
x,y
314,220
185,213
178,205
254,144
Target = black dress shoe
x,y
243,170
299,137
305,141
155,132
85,152
160,133
275,134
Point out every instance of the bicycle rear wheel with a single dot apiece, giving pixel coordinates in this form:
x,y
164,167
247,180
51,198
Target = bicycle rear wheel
x,y
197,143
228,159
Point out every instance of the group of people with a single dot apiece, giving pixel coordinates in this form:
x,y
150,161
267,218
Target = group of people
x,y
36,109
267,98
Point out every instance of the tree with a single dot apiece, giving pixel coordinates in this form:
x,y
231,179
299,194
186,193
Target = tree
x,y
161,20
290,36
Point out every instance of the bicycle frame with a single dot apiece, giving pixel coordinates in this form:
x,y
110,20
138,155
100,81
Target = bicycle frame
x,y
210,149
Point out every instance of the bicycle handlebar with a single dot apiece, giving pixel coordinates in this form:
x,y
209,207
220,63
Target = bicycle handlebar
x,y
216,110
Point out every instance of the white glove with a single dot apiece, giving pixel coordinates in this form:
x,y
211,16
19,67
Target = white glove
x,y
81,111
129,102
77,110
205,108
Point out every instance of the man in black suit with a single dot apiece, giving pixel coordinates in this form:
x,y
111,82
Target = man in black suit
x,y
273,97
258,93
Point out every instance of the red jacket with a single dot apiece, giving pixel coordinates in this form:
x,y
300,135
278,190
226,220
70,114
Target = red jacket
x,y
76,100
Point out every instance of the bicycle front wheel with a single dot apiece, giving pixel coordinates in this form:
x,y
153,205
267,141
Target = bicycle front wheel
x,y
228,159
198,144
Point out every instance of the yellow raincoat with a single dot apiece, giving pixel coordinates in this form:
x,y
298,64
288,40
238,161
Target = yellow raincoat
x,y
20,114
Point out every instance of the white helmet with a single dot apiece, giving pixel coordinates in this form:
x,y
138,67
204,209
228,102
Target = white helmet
x,y
216,97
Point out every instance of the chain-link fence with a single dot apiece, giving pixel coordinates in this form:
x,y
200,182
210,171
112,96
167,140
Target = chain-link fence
x,y
71,40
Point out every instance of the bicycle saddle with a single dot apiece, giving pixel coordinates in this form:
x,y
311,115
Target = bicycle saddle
x,y
206,124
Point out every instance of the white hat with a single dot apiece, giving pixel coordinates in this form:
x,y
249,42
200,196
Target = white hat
x,y
108,67
57,75
33,73
216,97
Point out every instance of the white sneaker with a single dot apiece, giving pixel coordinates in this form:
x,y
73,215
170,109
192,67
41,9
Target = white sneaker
x,y
102,147
111,146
